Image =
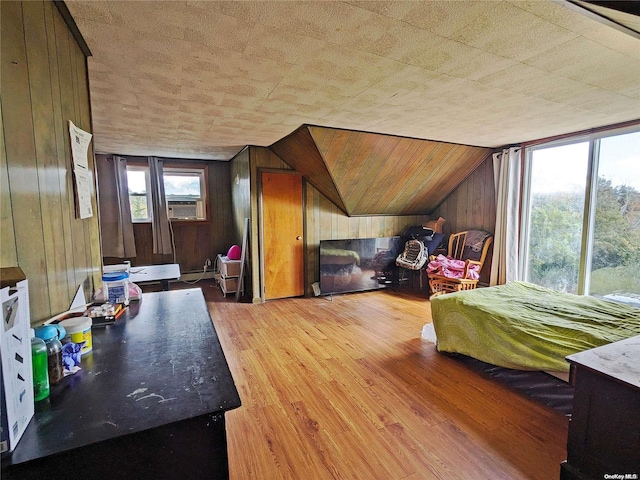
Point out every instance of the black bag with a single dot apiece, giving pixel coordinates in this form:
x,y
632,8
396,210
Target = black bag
x,y
418,232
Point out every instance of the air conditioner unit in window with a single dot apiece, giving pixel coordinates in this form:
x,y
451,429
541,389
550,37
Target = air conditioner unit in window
x,y
183,209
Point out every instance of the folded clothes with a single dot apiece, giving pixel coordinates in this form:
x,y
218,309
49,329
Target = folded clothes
x,y
452,268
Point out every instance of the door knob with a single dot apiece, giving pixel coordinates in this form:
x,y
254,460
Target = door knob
x,y
298,237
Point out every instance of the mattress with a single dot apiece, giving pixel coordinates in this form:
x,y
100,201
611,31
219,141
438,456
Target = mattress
x,y
524,326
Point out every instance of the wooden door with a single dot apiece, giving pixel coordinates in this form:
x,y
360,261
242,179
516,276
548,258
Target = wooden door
x,y
282,235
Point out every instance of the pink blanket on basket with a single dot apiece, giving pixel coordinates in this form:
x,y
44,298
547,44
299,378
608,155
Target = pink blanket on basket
x,y
451,268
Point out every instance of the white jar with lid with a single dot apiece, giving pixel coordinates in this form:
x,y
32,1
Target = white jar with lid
x,y
116,287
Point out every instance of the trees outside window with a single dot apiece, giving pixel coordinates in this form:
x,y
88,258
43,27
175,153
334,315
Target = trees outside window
x,y
582,217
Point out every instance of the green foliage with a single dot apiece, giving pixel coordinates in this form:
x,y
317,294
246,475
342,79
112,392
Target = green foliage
x,y
615,280
616,239
138,205
556,235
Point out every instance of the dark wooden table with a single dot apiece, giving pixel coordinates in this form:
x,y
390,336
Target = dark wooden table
x,y
149,402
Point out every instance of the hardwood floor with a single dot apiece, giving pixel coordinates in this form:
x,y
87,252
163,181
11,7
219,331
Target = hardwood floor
x,y
348,389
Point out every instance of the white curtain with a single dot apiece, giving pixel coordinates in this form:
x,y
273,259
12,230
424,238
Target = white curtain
x,y
507,169
116,227
160,230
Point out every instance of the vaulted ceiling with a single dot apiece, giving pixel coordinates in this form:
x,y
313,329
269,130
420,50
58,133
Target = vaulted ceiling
x,y
373,174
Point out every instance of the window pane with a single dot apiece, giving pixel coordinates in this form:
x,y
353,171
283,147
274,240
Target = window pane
x,y
183,185
137,182
138,200
616,239
139,209
558,183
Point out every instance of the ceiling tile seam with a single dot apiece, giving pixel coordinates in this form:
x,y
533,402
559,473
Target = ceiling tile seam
x,y
432,71
528,95
358,49
578,35
452,40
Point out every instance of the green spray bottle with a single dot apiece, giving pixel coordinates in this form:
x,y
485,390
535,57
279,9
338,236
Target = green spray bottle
x,y
40,367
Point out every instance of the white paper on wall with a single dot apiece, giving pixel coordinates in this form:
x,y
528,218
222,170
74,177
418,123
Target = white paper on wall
x,y
82,174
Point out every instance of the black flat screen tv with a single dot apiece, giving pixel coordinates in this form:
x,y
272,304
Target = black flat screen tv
x,y
360,264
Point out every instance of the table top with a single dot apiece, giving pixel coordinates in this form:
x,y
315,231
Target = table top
x,y
618,360
153,273
160,363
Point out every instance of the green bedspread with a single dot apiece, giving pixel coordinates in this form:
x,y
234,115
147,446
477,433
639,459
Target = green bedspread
x,y
527,327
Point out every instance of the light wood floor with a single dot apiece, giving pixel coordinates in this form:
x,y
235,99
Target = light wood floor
x,y
348,389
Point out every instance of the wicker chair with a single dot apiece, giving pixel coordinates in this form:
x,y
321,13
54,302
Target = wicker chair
x,y
462,246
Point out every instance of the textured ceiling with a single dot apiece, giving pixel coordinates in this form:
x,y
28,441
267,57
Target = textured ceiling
x,y
203,79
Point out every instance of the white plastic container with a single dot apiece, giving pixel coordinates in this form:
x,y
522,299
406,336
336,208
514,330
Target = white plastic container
x,y
116,287
78,331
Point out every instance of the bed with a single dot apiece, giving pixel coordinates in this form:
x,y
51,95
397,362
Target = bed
x,y
527,327
338,256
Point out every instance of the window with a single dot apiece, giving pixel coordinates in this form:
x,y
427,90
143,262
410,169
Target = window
x,y
581,218
185,192
183,189
139,185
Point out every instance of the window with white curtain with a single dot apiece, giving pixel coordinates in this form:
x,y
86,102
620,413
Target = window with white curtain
x,y
581,215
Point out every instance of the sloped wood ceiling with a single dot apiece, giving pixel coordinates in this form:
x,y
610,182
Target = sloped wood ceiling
x,y
374,174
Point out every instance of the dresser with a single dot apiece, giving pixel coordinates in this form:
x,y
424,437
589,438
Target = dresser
x,y
604,431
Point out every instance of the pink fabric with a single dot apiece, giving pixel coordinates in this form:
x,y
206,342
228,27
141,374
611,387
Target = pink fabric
x,y
452,268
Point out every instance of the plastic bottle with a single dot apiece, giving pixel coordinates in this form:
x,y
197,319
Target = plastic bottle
x,y
39,367
49,334
116,286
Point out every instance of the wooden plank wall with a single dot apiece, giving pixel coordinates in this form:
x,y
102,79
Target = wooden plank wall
x,y
44,85
472,206
194,241
325,221
240,193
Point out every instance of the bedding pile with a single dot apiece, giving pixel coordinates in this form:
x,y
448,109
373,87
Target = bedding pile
x,y
524,326
452,268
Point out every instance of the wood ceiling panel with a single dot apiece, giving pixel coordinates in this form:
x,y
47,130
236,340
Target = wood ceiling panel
x,y
375,174
301,153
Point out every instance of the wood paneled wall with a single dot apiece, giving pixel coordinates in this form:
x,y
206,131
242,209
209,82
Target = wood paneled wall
x,y
325,221
194,241
240,193
472,206
44,85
